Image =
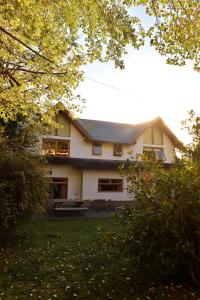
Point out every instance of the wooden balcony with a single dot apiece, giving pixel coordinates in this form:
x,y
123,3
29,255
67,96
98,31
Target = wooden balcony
x,y
56,147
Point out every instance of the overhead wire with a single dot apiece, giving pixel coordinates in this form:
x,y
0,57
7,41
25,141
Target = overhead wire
x,y
113,87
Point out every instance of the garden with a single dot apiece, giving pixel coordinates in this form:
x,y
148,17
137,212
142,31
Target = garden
x,y
64,259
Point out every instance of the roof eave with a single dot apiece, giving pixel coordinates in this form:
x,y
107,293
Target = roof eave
x,y
78,126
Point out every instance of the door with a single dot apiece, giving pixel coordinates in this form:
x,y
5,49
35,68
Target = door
x,y
59,188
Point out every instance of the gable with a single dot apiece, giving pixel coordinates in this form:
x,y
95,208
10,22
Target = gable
x,y
63,128
153,136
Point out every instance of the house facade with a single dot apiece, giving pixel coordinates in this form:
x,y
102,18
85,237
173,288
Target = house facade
x,y
84,155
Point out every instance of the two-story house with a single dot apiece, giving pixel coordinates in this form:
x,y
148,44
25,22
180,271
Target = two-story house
x,y
85,155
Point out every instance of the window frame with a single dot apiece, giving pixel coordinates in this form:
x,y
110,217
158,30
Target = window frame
x,y
153,150
120,183
117,153
96,144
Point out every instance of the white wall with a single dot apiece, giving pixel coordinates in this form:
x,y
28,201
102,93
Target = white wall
x,y
90,185
168,149
74,179
79,148
82,149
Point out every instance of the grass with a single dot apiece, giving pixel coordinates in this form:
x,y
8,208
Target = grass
x,y
60,259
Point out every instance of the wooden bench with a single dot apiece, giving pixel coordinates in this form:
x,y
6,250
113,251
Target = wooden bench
x,y
69,205
70,208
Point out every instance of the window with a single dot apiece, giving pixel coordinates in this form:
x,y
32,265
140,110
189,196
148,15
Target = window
x,y
55,147
152,153
110,185
59,187
117,150
153,136
96,148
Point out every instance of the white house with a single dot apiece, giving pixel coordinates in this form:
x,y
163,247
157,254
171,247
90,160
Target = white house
x,y
84,155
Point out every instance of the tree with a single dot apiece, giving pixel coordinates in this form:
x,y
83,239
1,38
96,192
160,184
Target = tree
x,y
45,43
161,232
176,30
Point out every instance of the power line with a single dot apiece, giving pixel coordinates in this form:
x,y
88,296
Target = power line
x,y
111,86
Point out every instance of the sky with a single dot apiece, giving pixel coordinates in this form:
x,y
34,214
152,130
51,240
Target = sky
x,y
147,88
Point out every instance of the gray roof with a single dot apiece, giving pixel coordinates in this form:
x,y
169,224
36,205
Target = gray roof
x,y
113,132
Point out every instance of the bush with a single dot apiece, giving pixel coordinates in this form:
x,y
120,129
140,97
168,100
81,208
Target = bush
x,y
23,182
23,187
161,236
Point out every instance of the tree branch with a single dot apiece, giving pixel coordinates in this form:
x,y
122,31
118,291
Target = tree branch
x,y
38,72
25,45
185,10
6,73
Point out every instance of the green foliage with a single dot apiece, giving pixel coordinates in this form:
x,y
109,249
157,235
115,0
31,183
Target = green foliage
x,y
161,236
23,182
176,30
45,44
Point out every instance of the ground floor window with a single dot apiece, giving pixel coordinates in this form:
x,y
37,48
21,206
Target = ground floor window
x,y
110,185
59,188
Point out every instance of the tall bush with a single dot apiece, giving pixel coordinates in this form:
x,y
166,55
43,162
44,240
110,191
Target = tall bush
x,y
161,233
23,182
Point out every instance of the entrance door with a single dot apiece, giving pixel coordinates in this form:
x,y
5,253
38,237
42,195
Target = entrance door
x,y
59,188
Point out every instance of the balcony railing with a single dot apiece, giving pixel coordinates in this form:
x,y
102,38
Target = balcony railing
x,y
56,147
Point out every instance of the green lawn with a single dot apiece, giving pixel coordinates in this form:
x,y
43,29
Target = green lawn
x,y
60,259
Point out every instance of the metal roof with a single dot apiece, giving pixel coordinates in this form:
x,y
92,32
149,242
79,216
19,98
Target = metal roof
x,y
112,132
103,131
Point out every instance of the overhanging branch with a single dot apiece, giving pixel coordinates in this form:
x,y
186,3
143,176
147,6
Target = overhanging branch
x,y
25,45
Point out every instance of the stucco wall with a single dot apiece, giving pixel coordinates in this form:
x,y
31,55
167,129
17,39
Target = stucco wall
x,y
74,179
168,149
82,149
90,185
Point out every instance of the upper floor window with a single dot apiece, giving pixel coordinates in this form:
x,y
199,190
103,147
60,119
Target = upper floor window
x,y
96,148
55,147
63,128
153,136
117,150
152,153
110,185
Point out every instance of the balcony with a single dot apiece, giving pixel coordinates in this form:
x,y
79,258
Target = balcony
x,y
56,147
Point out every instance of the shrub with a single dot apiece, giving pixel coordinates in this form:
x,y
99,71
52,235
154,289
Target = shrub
x,y
161,233
23,187
23,182
161,236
